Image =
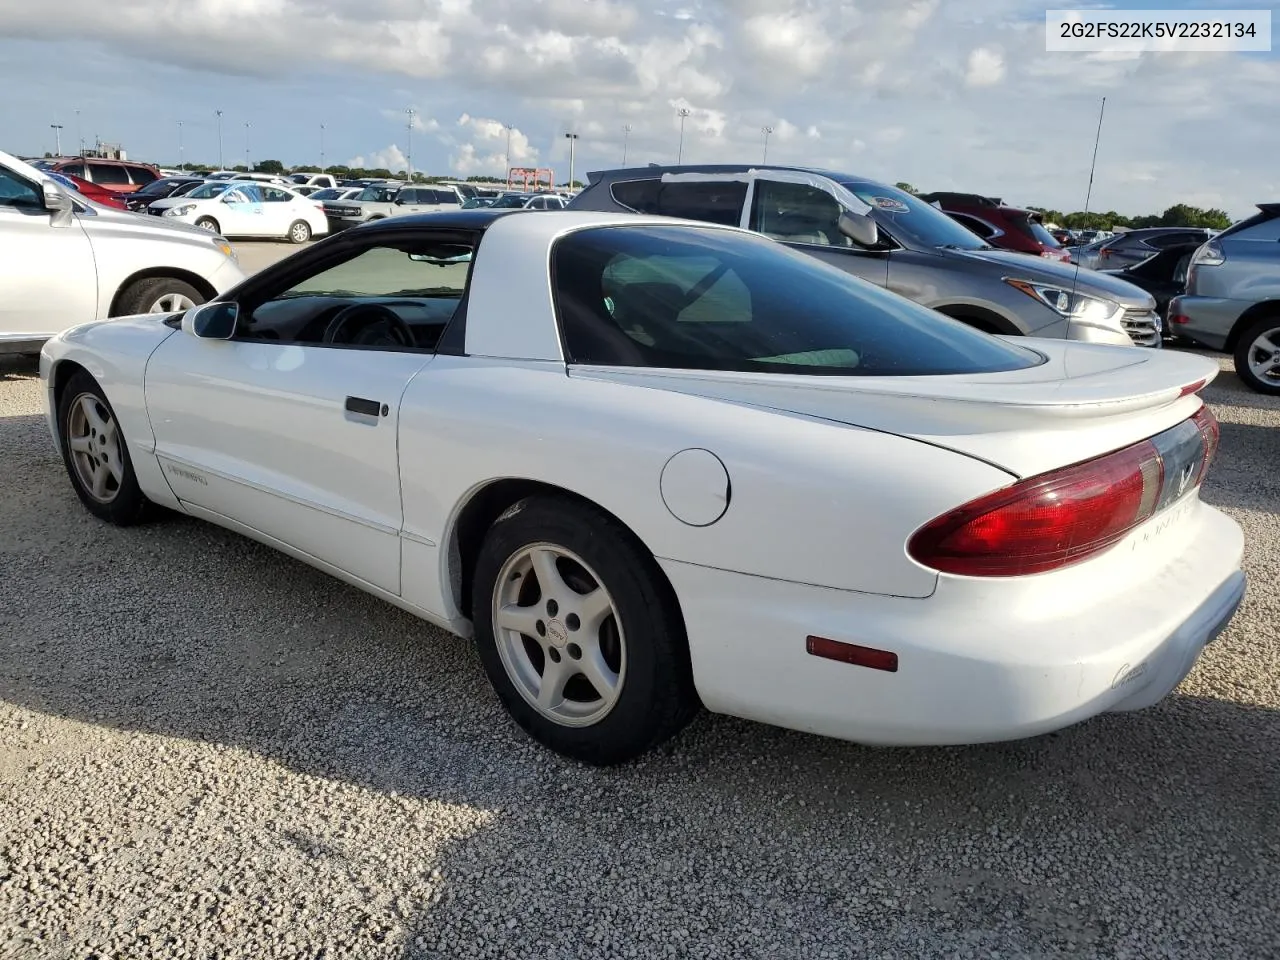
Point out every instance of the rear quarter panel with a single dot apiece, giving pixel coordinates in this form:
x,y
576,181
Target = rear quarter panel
x,y
810,501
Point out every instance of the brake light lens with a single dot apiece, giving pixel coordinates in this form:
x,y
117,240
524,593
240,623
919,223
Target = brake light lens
x,y
1060,518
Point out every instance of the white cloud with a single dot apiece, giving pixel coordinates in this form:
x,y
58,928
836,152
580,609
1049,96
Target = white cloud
x,y
392,158
986,67
916,90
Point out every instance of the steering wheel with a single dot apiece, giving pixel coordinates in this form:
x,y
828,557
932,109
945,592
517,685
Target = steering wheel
x,y
369,325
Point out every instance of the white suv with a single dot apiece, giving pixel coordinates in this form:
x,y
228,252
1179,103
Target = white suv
x,y
65,261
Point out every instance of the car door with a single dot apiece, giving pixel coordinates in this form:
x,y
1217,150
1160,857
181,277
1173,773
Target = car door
x,y
49,280
240,212
807,218
279,211
288,429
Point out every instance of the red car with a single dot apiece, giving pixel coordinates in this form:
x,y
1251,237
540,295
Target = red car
x,y
1009,228
90,191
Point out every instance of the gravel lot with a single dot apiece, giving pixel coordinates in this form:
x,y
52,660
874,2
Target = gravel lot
x,y
209,750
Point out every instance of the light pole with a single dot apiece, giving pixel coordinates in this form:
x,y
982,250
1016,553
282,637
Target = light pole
x,y
626,136
684,114
573,140
408,158
508,155
79,136
57,138
221,165
181,165
246,147
322,166
766,131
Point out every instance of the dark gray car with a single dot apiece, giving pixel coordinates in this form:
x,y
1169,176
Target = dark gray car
x,y
1232,301
893,239
1134,246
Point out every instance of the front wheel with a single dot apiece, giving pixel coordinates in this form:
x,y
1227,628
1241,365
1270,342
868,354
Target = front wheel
x,y
579,635
158,295
208,223
299,232
1257,356
96,456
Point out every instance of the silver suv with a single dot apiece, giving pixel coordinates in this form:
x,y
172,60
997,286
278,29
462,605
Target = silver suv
x,y
1232,301
895,240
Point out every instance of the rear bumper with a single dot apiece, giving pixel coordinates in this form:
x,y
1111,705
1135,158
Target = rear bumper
x,y
22,343
337,224
977,661
1206,320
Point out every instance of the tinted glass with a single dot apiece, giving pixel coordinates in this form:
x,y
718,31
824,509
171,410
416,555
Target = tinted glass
x,y
207,190
707,299
797,213
973,225
714,201
276,195
108,173
1042,235
74,170
909,218
16,192
141,174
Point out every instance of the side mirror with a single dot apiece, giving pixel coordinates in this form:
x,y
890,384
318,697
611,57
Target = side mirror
x,y
859,228
57,203
212,321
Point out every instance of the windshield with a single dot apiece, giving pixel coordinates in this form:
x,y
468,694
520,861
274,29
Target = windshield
x,y
328,193
698,298
513,200
378,194
909,219
208,190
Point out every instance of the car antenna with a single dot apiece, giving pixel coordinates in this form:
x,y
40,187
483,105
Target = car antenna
x,y
1088,194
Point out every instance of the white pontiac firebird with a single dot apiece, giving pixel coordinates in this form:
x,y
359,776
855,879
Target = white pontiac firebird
x,y
650,465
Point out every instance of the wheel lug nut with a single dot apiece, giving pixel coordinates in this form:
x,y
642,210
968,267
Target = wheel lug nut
x,y
575,651
541,628
552,608
572,621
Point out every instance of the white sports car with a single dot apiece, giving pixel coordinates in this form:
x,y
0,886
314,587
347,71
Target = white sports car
x,y
650,465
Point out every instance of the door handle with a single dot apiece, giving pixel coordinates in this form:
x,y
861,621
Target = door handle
x,y
369,408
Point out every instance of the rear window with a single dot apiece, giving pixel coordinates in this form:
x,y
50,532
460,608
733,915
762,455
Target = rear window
x,y
1259,218
108,173
142,174
705,299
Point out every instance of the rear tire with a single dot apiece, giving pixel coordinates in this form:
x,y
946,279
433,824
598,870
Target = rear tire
x,y
601,609
158,295
1257,356
96,455
208,223
299,232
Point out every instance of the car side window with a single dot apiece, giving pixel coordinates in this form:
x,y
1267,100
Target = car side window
x,y
974,224
713,201
142,175
275,195
74,170
109,173
19,193
797,213
390,296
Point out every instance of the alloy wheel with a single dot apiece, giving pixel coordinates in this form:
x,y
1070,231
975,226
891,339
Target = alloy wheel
x,y
558,635
94,442
171,303
1264,356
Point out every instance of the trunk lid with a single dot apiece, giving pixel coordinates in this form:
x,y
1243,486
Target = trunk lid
x,y
1083,401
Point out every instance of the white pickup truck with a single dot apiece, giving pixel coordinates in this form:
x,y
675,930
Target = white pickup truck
x,y
379,201
65,260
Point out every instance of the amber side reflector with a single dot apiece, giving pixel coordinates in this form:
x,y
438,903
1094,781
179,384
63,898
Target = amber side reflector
x,y
852,653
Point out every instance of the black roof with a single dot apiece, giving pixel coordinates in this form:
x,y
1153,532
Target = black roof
x,y
477,218
657,170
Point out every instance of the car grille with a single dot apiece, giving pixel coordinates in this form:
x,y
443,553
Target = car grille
x,y
341,211
154,212
1143,327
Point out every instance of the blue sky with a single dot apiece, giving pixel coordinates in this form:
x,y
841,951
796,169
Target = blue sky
x,y
942,93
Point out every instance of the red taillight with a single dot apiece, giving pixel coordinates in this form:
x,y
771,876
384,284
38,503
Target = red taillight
x,y
1210,433
1191,388
1179,318
1059,518
1104,254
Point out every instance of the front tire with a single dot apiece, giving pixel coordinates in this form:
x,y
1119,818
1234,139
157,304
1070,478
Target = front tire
x,y
580,637
208,223
299,232
1257,356
96,455
158,295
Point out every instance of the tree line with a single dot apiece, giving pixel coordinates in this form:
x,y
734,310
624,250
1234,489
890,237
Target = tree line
x,y
1178,215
